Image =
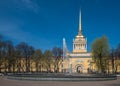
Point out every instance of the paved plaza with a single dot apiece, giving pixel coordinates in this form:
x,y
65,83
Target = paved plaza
x,y
7,82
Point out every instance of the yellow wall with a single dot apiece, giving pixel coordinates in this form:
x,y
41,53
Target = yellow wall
x,y
79,51
75,62
72,63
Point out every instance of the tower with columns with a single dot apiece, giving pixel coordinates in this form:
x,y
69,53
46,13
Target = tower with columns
x,y
80,42
79,59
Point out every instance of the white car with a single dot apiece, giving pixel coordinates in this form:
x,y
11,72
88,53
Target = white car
x,y
1,74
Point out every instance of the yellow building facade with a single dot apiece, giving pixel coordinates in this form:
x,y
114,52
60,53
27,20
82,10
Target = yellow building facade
x,y
79,60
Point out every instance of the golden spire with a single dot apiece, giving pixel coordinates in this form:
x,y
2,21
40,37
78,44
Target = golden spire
x,y
80,24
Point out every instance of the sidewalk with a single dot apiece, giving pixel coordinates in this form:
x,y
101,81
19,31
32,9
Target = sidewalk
x,y
7,82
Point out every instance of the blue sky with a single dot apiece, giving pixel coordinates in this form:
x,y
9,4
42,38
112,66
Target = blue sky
x,y
44,23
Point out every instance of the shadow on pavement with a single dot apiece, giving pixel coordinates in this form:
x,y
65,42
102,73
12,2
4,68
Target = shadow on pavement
x,y
114,84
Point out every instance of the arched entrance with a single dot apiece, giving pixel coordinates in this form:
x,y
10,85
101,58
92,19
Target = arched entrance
x,y
79,68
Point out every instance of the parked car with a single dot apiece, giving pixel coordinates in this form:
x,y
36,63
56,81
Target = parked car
x,y
1,74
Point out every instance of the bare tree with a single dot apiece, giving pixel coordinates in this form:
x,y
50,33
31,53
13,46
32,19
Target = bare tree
x,y
26,52
9,49
112,57
37,57
57,54
48,60
117,58
1,52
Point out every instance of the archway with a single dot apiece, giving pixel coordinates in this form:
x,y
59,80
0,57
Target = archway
x,y
79,68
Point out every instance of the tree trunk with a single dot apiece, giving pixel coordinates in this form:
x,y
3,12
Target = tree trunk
x,y
101,67
112,64
26,64
36,66
116,68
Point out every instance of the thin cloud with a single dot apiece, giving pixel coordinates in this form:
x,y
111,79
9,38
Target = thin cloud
x,y
27,4
13,30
